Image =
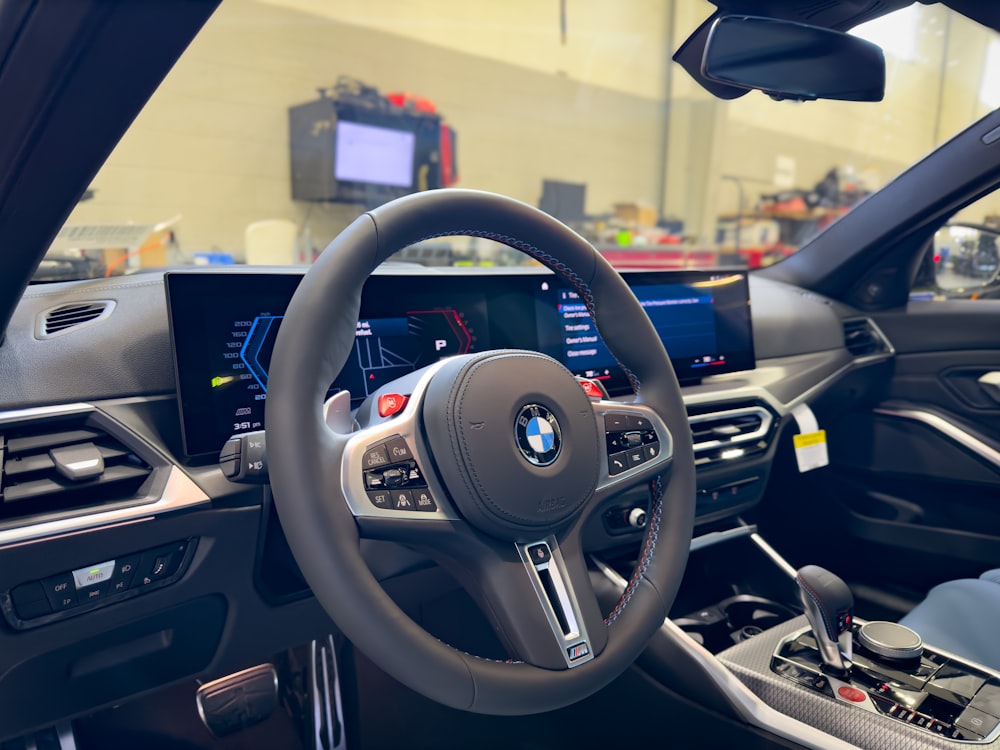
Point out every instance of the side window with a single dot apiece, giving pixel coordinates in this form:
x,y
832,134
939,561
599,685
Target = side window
x,y
963,261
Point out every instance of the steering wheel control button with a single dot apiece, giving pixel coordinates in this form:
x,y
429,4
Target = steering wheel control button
x,y
375,457
538,435
398,450
539,554
632,439
635,457
391,404
615,423
617,463
592,388
634,422
381,499
402,500
395,476
423,501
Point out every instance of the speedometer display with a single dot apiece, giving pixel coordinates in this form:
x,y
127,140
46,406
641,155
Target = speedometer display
x,y
399,333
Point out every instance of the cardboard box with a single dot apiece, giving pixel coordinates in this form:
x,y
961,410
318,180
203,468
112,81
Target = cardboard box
x,y
636,214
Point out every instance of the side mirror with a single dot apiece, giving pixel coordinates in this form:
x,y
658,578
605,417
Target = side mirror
x,y
790,60
966,260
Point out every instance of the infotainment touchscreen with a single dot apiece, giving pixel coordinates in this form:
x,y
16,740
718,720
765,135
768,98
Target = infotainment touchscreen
x,y
224,325
702,318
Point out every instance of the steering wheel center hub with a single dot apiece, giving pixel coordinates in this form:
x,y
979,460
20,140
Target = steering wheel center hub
x,y
515,439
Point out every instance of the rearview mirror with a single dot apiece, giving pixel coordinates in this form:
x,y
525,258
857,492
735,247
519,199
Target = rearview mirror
x,y
790,60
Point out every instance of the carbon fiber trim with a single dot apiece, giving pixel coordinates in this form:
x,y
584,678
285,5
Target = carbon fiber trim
x,y
750,661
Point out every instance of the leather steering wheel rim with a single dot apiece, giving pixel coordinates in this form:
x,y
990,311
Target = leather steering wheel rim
x,y
313,343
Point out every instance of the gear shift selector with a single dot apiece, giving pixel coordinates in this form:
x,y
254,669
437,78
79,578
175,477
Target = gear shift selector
x,y
829,607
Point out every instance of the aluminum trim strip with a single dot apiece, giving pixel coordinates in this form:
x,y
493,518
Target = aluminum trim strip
x,y
775,556
949,430
765,425
178,493
565,595
717,537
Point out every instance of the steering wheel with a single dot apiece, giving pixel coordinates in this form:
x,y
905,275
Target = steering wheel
x,y
490,468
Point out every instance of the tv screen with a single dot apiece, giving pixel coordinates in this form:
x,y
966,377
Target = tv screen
x,y
374,155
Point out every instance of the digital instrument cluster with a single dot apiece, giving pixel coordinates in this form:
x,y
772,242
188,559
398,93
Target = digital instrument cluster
x,y
224,326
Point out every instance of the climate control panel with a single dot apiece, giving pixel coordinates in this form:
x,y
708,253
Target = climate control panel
x,y
91,586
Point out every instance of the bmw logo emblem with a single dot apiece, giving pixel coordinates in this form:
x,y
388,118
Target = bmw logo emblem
x,y
538,435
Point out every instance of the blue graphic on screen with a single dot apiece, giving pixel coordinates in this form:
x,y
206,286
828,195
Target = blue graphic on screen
x,y
682,315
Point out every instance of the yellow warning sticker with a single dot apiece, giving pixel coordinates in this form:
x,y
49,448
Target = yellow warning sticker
x,y
810,439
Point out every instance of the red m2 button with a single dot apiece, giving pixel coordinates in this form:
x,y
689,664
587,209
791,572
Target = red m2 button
x,y
390,404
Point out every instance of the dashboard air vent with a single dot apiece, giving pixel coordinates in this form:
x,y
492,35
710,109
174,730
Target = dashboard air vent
x,y
738,432
862,338
63,465
63,318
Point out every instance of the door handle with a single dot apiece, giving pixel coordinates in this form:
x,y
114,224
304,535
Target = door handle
x,y
990,383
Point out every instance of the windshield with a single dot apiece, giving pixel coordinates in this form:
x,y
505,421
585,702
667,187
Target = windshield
x,y
286,119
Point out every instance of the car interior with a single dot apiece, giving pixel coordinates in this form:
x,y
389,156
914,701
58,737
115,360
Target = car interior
x,y
370,500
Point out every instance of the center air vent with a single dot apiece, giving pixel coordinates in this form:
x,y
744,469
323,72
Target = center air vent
x,y
63,465
57,320
863,338
739,432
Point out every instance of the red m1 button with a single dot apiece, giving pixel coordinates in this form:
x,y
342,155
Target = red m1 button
x,y
851,694
390,404
592,389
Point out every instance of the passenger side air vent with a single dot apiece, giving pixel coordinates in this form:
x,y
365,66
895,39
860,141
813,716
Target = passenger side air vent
x,y
863,338
742,431
54,466
58,320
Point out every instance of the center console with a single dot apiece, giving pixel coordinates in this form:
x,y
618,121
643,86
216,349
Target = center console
x,y
931,691
734,642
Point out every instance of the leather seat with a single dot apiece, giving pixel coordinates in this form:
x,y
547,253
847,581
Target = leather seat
x,y
962,617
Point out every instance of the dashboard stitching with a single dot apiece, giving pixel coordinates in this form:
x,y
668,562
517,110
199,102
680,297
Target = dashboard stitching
x,y
552,262
647,553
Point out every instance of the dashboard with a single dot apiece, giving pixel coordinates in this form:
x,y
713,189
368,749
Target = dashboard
x,y
157,370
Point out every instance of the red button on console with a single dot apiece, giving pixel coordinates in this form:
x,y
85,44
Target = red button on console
x,y
390,404
851,694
